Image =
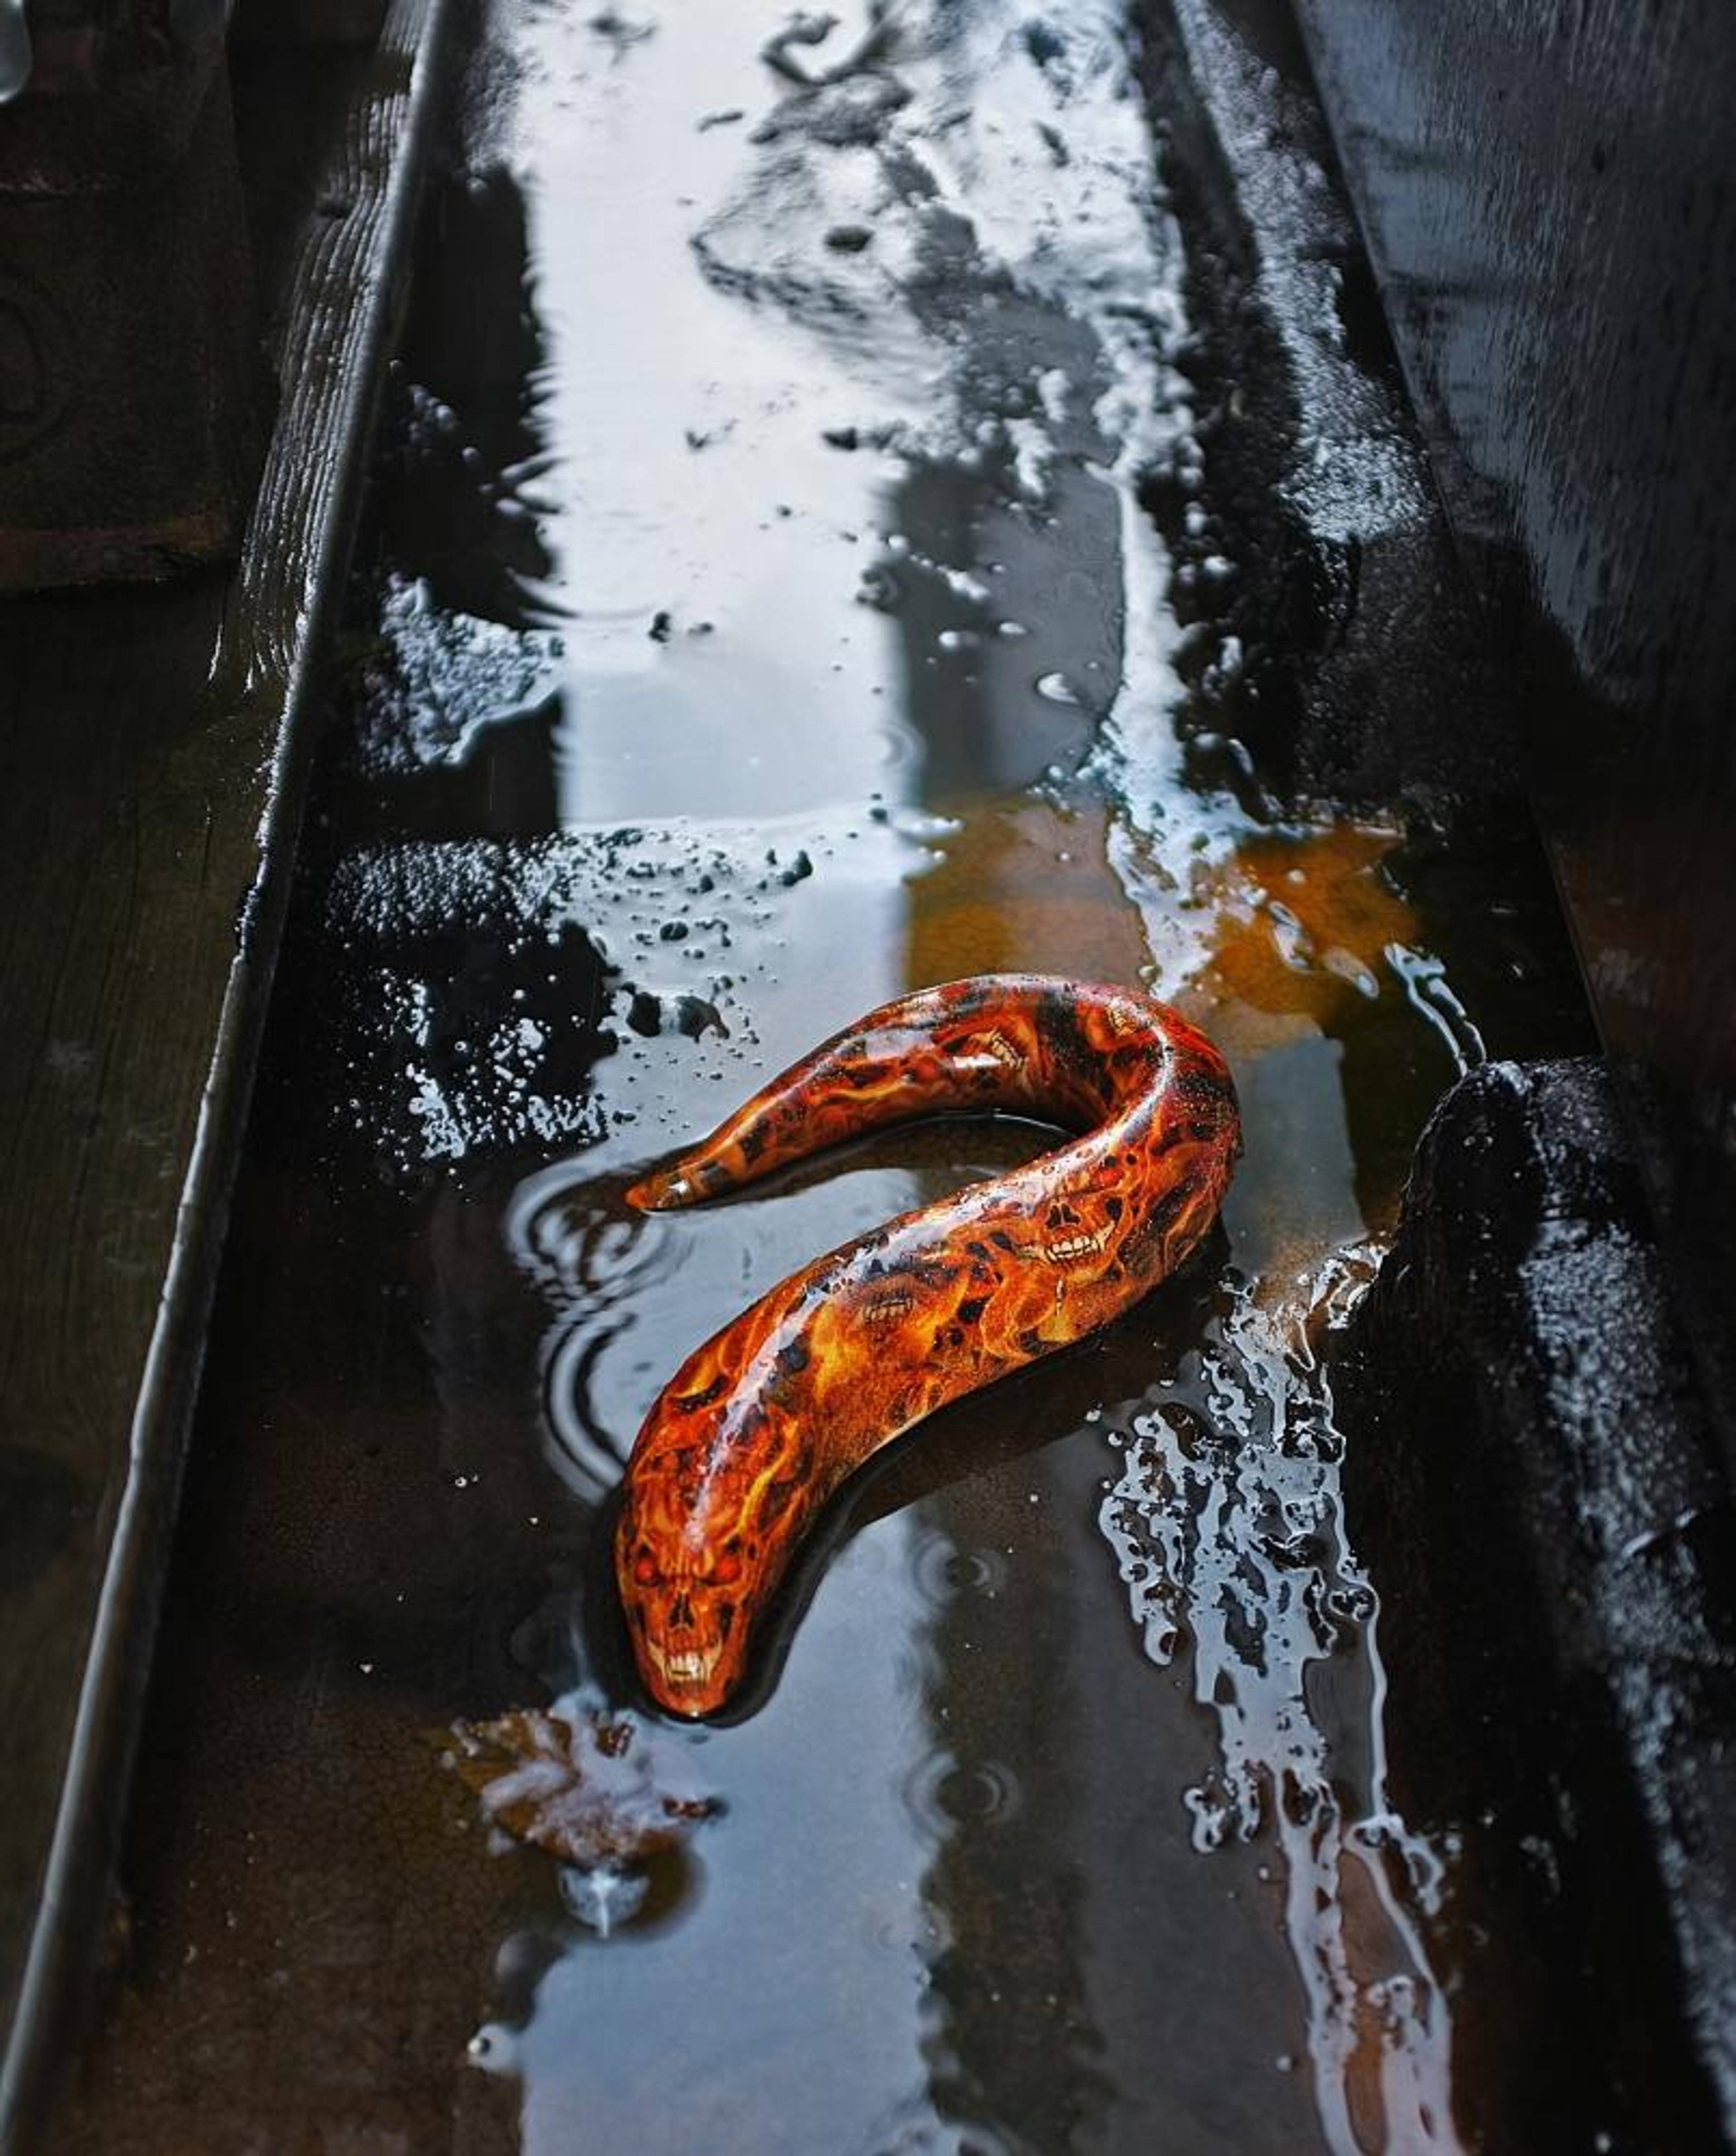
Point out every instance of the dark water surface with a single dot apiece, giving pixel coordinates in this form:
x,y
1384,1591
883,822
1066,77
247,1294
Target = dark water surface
x,y
760,619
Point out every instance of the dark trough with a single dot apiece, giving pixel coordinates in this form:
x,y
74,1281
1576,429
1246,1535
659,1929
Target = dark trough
x,y
1560,1687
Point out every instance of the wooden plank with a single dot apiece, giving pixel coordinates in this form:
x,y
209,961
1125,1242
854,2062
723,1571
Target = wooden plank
x,y
153,754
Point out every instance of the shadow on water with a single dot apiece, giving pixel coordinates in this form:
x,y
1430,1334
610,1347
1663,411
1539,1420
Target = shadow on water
x,y
759,617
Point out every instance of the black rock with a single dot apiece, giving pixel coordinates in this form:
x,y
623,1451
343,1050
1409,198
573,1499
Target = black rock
x,y
1531,1477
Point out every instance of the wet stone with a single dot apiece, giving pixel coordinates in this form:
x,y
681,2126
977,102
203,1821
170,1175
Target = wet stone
x,y
1531,1479
1363,664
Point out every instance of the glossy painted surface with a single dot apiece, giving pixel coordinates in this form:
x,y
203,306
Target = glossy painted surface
x,y
760,1425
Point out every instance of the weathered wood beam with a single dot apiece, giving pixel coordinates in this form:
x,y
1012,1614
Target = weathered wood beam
x,y
154,747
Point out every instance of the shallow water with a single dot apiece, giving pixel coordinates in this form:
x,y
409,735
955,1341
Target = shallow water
x,y
761,620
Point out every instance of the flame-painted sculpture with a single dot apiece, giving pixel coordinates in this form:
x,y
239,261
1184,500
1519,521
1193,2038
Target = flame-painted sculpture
x,y
760,1425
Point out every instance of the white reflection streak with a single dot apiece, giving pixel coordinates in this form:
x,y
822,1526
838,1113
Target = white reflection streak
x,y
1246,1551
1431,998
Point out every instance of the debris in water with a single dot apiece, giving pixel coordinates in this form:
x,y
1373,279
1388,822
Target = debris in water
x,y
803,28
621,31
583,1786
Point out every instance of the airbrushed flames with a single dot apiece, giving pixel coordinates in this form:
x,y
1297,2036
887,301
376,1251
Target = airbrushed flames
x,y
888,1309
761,1423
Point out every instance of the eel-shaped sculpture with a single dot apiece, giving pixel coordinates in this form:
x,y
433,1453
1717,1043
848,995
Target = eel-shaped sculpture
x,y
758,1428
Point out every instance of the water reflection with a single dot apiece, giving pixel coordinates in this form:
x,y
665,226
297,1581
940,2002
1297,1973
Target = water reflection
x,y
464,472
598,1261
1010,2043
884,464
989,603
1227,1519
687,2040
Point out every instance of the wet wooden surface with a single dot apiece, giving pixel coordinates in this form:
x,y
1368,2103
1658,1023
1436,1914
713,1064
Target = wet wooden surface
x,y
153,747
